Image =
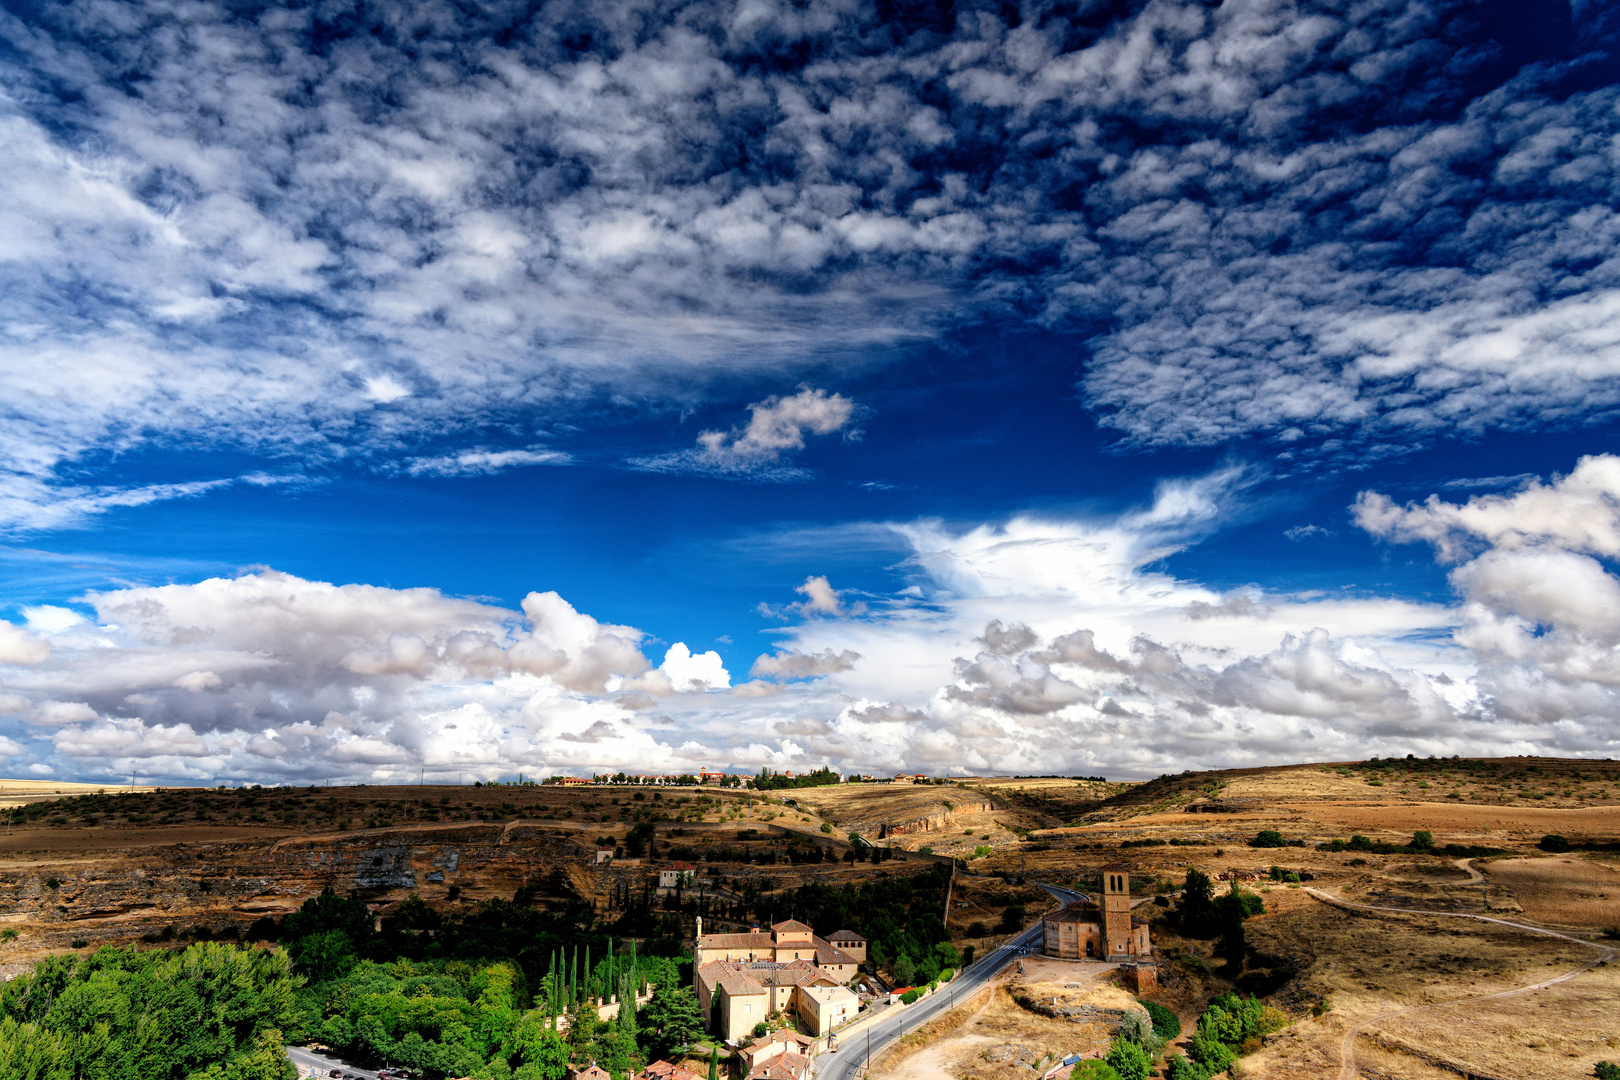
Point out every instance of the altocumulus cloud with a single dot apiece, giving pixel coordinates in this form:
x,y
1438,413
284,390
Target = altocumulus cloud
x,y
368,235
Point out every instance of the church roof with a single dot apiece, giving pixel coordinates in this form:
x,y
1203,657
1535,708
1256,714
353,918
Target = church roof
x,y
1116,866
790,926
828,953
844,935
736,941
1078,911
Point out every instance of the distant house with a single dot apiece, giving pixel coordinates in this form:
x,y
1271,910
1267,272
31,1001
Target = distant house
x,y
604,855
574,781
588,1072
781,1055
823,1008
675,875
665,1070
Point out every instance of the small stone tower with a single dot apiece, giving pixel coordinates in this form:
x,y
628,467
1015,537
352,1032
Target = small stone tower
x,y
1116,911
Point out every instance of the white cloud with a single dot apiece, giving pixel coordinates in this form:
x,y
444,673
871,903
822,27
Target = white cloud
x,y
480,462
1578,512
10,748
1037,644
688,672
776,431
798,665
776,428
256,251
18,646
820,598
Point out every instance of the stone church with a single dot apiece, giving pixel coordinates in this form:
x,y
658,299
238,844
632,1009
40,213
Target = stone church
x,y
1085,930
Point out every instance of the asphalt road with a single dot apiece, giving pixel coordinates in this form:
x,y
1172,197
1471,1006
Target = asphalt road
x,y
846,1062
323,1065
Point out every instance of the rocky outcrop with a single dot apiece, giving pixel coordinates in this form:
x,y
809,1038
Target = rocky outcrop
x,y
225,886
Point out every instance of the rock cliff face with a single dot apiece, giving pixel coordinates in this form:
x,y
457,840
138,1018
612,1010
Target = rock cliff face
x,y
931,821
229,885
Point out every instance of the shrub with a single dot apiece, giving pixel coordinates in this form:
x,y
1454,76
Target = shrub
x,y
826,826
1423,840
1012,917
947,975
977,929
78,943
926,849
761,1029
1554,843
1166,1025
1606,1070
1268,838
911,995
1184,1068
8,934
981,851
1093,1070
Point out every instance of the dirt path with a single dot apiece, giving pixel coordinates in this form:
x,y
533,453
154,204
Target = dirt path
x,y
1347,1048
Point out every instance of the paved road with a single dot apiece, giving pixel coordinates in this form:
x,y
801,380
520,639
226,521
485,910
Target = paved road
x,y
322,1064
850,1058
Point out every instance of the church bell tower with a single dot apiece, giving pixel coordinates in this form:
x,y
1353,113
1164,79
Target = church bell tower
x,y
1116,906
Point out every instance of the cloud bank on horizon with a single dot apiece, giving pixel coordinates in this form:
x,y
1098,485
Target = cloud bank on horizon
x,y
371,235
1033,645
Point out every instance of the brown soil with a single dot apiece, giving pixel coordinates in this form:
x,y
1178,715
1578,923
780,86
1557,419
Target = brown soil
x,y
1562,890
1003,1040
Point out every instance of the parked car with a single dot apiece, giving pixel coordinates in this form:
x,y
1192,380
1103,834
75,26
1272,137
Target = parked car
x,y
336,1074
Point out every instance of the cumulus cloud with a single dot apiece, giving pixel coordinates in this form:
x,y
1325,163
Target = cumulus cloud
x,y
775,431
689,672
1539,607
797,665
1578,512
1034,644
820,599
776,428
18,646
1342,227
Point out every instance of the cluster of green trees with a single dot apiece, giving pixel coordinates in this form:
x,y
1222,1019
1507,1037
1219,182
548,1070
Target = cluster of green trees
x,y
456,1018
1422,843
210,1012
503,992
1229,1027
769,781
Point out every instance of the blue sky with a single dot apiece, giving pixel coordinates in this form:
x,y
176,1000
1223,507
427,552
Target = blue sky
x,y
1089,387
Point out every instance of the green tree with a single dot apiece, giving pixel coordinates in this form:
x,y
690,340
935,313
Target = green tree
x,y
329,911
1423,840
670,1021
1197,902
328,954
1129,1060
